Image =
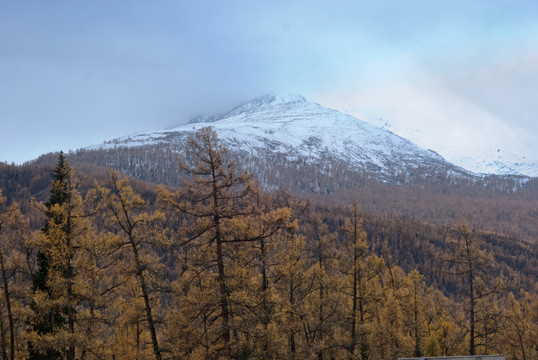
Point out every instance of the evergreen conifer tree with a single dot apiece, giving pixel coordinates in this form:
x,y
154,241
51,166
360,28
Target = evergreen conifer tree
x,y
53,316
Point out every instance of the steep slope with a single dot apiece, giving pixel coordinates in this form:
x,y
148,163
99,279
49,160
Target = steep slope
x,y
293,128
477,159
498,162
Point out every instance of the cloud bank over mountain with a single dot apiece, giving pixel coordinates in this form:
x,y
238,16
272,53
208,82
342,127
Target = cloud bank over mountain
x,y
73,74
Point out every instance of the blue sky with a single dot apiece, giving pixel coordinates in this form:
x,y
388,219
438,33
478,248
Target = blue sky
x,y
454,76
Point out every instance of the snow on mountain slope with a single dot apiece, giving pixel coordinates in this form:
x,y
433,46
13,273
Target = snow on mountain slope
x,y
498,162
475,159
298,129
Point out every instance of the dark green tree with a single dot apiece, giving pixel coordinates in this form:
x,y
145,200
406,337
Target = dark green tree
x,y
56,316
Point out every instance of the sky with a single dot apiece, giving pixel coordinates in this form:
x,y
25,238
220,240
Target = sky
x,y
455,76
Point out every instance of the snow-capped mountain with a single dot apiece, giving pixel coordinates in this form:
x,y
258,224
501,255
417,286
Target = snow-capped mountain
x,y
498,162
300,130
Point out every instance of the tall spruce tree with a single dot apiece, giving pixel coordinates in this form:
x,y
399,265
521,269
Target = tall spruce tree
x,y
54,316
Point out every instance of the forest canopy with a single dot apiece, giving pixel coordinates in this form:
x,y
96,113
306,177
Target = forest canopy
x,y
108,267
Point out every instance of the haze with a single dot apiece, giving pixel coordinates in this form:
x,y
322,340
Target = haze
x,y
457,77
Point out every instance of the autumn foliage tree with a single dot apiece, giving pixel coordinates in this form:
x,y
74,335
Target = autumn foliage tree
x,y
11,222
468,260
360,268
138,234
222,224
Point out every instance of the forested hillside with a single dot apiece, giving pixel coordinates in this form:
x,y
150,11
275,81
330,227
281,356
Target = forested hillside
x,y
100,266
500,204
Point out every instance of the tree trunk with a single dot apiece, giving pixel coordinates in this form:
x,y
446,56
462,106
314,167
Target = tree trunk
x,y
69,274
265,305
221,279
471,313
354,307
9,312
321,299
292,334
143,288
520,338
71,350
3,337
355,279
223,298
472,301
418,352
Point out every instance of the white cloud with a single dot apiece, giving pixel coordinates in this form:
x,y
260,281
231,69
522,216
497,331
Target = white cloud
x,y
422,108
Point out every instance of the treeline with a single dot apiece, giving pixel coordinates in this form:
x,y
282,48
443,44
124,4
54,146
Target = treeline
x,y
157,163
440,194
219,269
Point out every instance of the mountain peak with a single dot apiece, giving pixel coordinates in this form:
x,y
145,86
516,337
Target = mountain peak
x,y
274,99
256,104
290,127
268,101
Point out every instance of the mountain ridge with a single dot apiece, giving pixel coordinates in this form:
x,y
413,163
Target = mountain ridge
x,y
320,154
280,109
298,129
